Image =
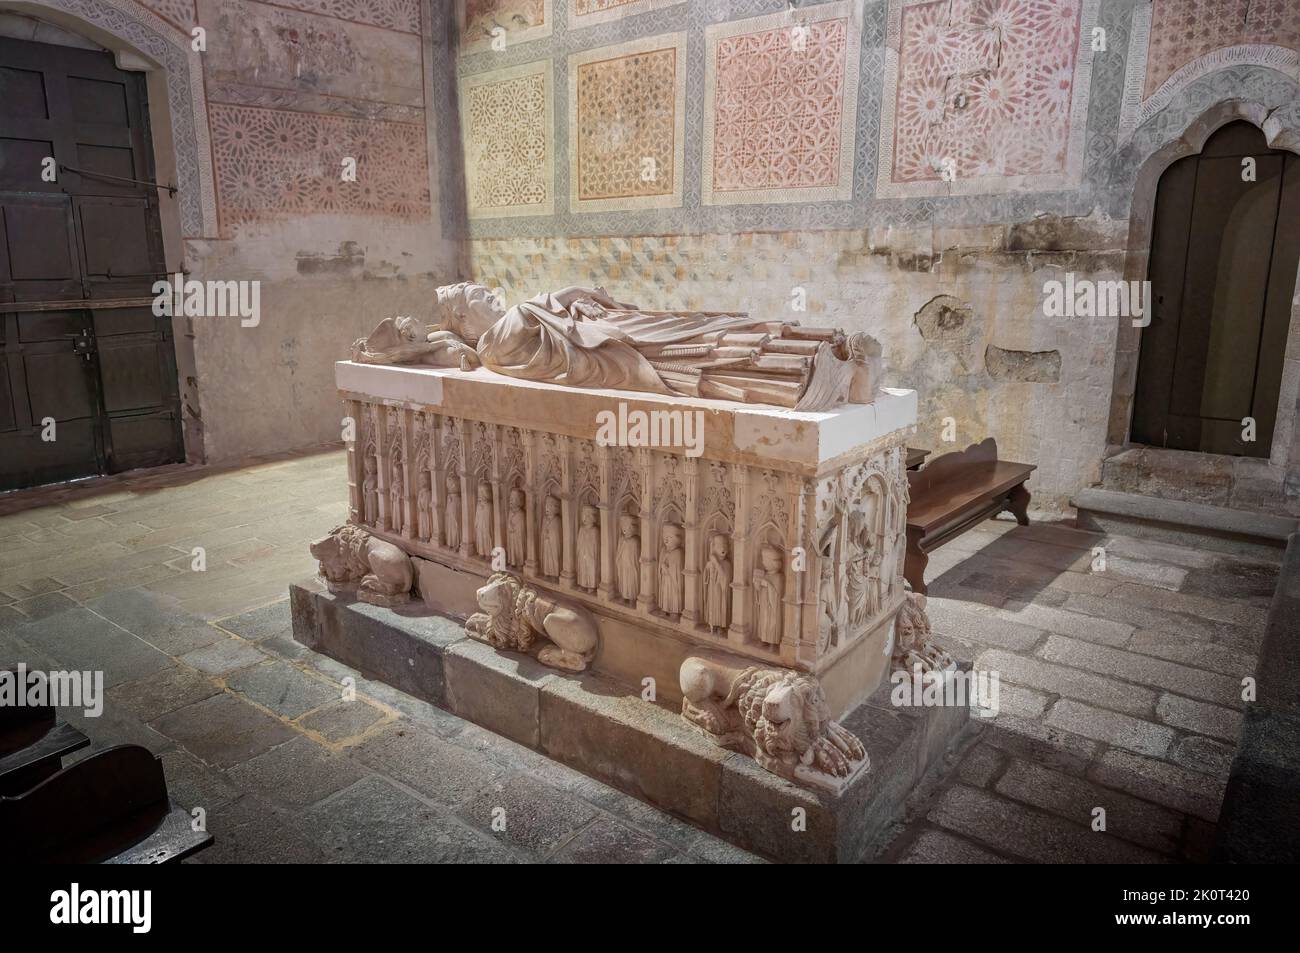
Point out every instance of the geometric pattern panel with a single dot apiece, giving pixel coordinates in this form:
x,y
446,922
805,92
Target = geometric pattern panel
x,y
400,15
1173,43
273,162
780,106
984,95
590,12
176,12
507,129
627,123
1184,30
496,24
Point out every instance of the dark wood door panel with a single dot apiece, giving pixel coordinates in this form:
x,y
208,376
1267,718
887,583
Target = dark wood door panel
x,y
34,326
116,238
22,162
1224,253
8,418
142,440
71,455
107,376
1224,286
57,385
130,375
1281,293
22,94
39,244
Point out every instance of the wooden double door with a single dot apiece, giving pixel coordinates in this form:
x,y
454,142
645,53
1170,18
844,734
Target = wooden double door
x,y
1224,252
87,371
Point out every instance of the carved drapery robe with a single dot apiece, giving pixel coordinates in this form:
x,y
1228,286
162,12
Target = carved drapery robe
x,y
452,522
552,545
569,338
371,493
769,587
483,525
516,536
395,506
588,557
424,504
628,566
717,592
671,564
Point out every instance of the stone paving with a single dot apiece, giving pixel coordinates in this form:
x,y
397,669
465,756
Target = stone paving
x,y
1120,688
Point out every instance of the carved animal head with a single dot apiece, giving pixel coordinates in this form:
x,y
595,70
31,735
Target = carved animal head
x,y
341,554
505,602
787,713
913,624
498,593
793,715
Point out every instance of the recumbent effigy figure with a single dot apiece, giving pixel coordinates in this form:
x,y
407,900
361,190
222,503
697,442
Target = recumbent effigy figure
x,y
582,337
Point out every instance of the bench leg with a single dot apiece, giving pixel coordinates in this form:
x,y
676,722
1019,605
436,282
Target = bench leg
x,y
914,563
1018,504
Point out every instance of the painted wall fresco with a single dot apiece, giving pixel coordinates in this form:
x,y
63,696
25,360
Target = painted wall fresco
x,y
981,95
496,24
507,127
179,13
1174,43
273,163
305,53
295,89
781,107
593,12
627,109
1185,30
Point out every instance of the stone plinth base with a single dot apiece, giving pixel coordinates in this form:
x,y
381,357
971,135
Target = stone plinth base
x,y
630,652
604,729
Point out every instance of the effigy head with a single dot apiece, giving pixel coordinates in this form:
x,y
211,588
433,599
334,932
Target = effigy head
x,y
468,309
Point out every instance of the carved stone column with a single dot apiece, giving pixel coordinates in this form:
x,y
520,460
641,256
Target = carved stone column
x,y
646,600
742,558
380,423
790,486
567,505
498,490
408,473
531,480
608,523
427,424
356,506
466,491
438,463
691,601
806,581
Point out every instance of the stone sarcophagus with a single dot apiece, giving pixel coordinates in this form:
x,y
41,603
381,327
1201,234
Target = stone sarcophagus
x,y
628,532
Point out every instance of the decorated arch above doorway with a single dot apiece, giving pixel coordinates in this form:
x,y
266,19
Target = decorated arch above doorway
x,y
141,38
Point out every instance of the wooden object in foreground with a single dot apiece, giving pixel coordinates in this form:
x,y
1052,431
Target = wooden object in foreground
x,y
110,808
953,493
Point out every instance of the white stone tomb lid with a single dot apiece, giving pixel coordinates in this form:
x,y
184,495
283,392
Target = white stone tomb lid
x,y
805,442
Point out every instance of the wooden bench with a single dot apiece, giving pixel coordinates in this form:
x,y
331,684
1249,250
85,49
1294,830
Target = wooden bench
x,y
953,493
111,808
33,743
916,457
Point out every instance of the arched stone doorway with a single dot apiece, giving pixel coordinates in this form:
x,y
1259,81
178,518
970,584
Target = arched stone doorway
x,y
1251,482
1225,247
